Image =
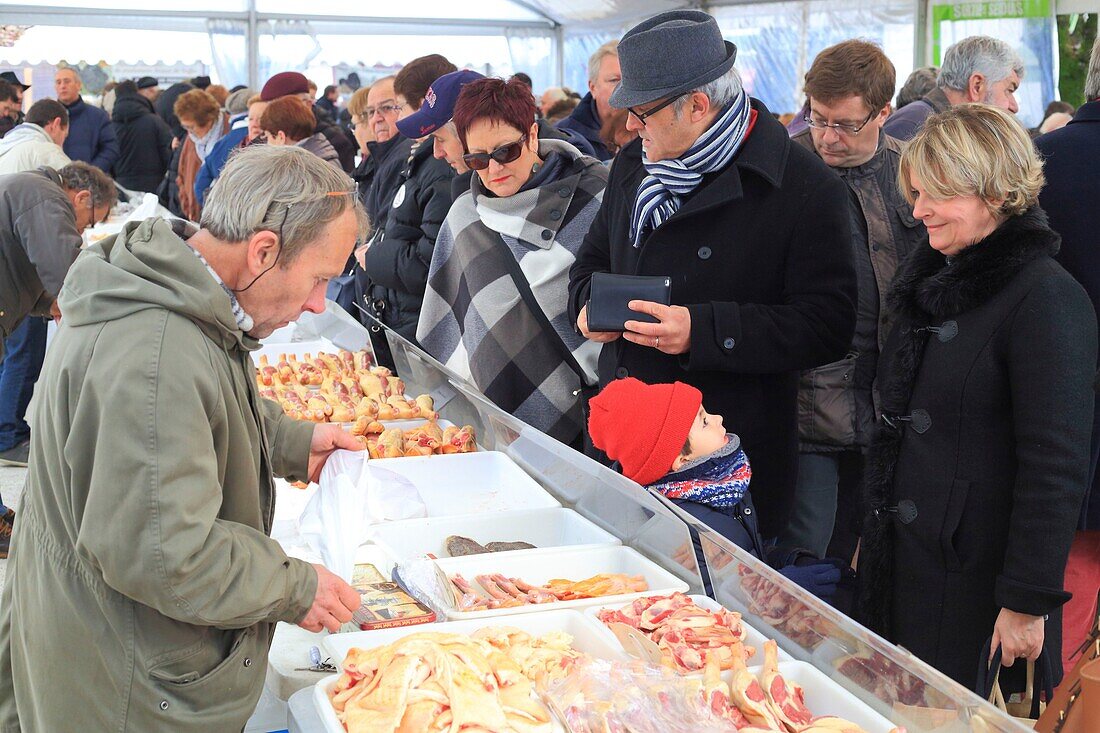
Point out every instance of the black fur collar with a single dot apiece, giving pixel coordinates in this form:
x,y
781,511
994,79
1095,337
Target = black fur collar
x,y
926,285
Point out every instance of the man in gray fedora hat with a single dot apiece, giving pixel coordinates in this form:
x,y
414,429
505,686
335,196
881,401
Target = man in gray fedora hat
x,y
752,230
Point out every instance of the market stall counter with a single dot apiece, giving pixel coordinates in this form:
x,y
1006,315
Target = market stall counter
x,y
603,607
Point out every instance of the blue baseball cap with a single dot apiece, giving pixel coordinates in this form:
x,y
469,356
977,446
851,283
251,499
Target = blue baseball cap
x,y
439,104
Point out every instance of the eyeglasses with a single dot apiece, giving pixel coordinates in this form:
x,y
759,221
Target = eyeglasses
x,y
384,110
839,128
504,154
642,116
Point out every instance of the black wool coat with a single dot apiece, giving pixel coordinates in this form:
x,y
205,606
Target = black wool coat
x,y
1071,157
977,470
759,254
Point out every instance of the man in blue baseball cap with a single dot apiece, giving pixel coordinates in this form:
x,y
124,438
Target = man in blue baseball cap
x,y
434,118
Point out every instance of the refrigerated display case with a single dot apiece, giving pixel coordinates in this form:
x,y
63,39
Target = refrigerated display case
x,y
886,678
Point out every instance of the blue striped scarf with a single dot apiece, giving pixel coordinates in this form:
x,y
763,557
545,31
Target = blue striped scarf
x,y
660,193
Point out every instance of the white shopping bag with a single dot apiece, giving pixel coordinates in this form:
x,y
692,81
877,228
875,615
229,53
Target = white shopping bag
x,y
353,494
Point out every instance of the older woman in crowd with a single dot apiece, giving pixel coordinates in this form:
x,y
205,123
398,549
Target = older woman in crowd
x,y
290,121
978,468
205,122
495,309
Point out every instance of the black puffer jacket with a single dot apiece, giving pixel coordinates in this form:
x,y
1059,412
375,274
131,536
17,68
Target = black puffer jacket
x,y
398,259
144,142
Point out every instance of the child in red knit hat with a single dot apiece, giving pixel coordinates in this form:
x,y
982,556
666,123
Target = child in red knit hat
x,y
663,438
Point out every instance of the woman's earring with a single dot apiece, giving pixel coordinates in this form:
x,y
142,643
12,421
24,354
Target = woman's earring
x,y
535,168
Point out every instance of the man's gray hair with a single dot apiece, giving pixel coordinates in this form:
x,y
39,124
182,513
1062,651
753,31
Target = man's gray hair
x,y
991,57
80,176
282,189
721,92
919,83
611,48
1092,81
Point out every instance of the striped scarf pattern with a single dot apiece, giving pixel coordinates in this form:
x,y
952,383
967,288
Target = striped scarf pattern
x,y
660,193
720,481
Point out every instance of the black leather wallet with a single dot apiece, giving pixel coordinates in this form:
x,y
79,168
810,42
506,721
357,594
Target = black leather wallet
x,y
609,295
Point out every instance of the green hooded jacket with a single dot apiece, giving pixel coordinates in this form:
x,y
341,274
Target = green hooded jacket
x,y
142,586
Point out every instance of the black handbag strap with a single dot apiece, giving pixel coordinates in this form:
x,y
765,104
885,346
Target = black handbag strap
x,y
989,668
539,314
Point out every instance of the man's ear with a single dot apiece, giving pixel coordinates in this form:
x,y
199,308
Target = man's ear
x,y
263,250
975,87
679,462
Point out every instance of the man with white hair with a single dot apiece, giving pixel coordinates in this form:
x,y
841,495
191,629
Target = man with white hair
x,y
976,69
141,564
752,230
603,76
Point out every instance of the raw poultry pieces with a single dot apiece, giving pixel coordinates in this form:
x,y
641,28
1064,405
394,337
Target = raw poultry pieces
x,y
431,682
783,612
341,387
423,440
687,635
507,592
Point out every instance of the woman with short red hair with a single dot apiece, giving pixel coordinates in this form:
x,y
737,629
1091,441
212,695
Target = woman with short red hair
x,y
495,305
290,121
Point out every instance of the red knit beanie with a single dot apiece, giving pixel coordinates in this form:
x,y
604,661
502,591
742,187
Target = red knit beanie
x,y
643,426
284,84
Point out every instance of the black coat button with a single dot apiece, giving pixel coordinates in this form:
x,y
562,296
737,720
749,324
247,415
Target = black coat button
x,y
729,344
921,421
874,248
555,215
704,253
547,235
907,511
564,192
621,373
948,330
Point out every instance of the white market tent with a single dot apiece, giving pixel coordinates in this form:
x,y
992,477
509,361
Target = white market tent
x,y
244,41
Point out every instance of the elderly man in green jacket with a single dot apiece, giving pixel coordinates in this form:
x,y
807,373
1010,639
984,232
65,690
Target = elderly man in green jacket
x,y
142,586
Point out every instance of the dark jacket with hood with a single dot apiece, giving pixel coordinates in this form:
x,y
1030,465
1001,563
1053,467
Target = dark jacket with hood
x,y
977,471
586,121
399,256
144,141
165,106
760,255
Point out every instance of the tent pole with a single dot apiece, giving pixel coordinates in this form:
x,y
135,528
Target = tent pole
x,y
252,47
559,48
920,34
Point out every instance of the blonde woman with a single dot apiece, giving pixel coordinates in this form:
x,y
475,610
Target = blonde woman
x,y
976,475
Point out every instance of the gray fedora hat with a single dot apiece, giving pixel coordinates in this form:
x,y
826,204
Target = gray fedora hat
x,y
669,54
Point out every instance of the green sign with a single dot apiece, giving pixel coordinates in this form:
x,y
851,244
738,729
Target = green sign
x,y
983,10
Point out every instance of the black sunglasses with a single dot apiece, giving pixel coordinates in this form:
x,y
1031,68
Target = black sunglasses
x,y
504,154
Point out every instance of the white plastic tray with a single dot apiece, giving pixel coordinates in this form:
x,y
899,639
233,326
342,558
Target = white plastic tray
x,y
753,637
542,528
539,566
465,483
298,348
587,638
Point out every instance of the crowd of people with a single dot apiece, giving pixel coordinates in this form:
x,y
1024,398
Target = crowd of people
x,y
881,319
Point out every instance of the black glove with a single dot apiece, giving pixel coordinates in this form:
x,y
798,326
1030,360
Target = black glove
x,y
819,578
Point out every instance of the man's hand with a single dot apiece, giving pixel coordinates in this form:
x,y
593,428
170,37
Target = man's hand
x,y
671,336
600,337
1019,635
333,605
327,438
55,312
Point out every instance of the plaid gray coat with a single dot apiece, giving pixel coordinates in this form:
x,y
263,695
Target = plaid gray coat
x,y
474,319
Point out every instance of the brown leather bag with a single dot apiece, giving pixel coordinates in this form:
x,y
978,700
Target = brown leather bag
x,y
1075,707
